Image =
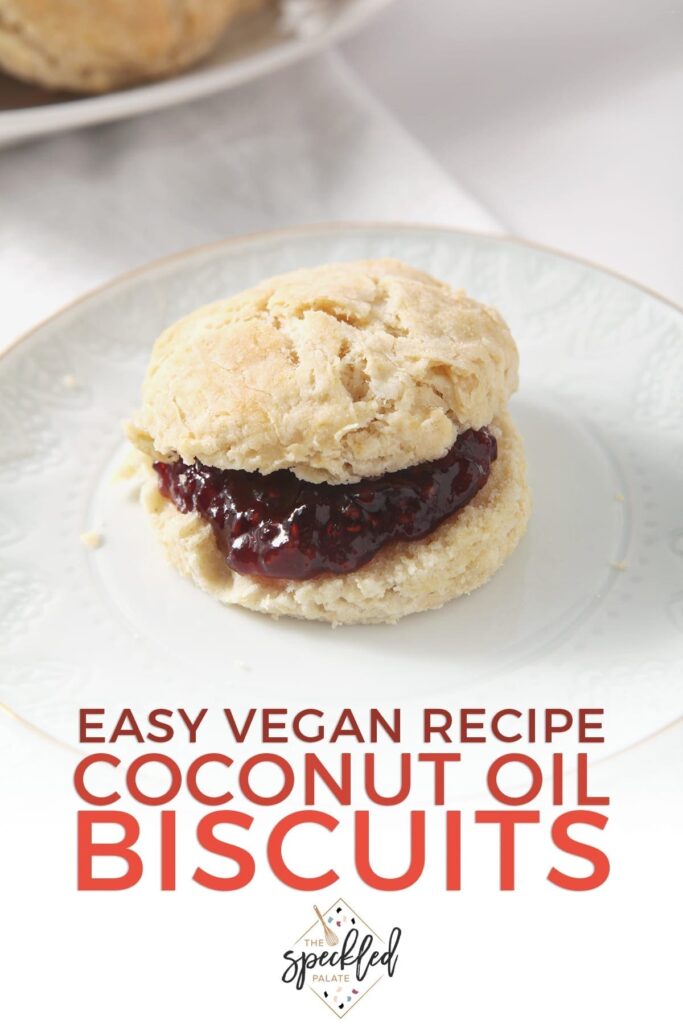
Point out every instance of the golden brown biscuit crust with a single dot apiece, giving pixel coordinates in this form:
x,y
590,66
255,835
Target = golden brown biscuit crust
x,y
337,373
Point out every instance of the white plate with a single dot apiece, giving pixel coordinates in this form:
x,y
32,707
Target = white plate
x,y
588,611
257,46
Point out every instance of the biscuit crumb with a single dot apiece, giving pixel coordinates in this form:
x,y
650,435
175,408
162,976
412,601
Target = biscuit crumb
x,y
129,468
92,539
619,497
69,382
620,566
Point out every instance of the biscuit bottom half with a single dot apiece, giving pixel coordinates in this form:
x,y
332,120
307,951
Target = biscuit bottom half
x,y
404,577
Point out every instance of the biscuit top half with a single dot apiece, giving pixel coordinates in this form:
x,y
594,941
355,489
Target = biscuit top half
x,y
338,373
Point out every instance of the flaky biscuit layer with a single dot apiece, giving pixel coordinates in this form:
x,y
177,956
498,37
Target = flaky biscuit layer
x,y
339,373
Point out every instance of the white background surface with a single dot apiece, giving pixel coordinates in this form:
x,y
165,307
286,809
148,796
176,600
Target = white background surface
x,y
564,117
563,120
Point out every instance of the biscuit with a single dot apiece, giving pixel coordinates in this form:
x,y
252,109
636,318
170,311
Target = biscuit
x,y
99,45
336,373
404,577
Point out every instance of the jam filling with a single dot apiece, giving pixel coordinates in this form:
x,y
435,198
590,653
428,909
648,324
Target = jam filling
x,y
285,528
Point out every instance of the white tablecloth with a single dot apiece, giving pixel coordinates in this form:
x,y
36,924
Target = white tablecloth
x,y
562,117
306,144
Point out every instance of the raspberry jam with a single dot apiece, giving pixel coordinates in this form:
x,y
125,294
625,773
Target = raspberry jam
x,y
285,528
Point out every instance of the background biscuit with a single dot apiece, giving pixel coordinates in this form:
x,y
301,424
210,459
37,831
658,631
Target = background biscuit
x,y
97,45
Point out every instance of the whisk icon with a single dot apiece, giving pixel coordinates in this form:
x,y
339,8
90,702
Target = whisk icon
x,y
331,938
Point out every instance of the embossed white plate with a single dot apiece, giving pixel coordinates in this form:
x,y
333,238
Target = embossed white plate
x,y
588,611
255,46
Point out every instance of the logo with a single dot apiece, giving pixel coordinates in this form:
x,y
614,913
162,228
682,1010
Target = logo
x,y
340,958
